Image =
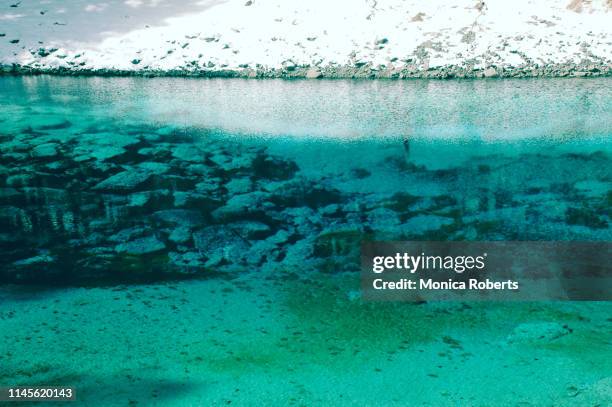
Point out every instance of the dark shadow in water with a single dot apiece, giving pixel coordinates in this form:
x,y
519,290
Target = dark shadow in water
x,y
100,390
28,292
133,390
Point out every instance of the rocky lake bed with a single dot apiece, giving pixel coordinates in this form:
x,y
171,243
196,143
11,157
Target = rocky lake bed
x,y
85,202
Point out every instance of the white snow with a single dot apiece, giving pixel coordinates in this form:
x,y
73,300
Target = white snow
x,y
240,34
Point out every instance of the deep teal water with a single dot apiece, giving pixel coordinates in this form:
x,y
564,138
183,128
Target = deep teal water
x,y
127,185
151,177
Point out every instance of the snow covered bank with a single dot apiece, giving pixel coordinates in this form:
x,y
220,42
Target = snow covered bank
x,y
315,38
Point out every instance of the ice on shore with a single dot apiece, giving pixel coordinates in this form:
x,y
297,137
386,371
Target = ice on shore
x,y
316,38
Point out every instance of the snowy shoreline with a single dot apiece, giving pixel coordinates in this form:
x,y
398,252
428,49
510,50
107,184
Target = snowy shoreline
x,y
315,39
340,72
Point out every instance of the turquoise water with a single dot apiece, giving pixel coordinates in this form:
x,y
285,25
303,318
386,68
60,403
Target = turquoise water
x,y
196,242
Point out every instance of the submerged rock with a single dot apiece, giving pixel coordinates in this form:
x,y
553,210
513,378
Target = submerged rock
x,y
139,199
180,235
36,260
180,217
128,234
124,181
45,150
100,153
383,218
153,167
210,186
189,260
538,331
238,186
595,394
239,206
251,230
585,216
143,245
342,240
424,223
188,153
274,168
221,245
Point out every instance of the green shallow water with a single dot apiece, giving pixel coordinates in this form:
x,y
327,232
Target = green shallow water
x,y
196,242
